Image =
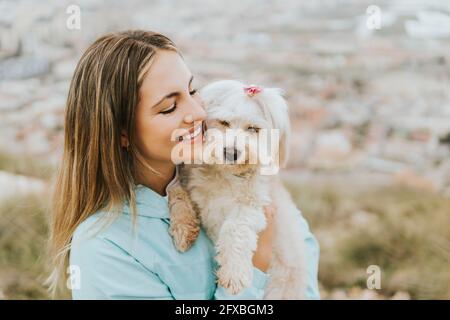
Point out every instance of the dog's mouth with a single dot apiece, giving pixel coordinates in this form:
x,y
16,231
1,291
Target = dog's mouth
x,y
204,128
231,155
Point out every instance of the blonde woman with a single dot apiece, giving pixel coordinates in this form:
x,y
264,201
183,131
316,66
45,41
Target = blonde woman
x,y
110,218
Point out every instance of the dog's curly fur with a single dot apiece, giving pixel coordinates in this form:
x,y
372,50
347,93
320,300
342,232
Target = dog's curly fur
x,y
228,199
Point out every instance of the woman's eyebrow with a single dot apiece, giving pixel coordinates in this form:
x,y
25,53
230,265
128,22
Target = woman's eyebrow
x,y
172,94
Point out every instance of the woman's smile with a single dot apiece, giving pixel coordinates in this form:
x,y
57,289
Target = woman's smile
x,y
193,135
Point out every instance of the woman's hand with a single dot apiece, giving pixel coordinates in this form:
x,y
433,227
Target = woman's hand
x,y
263,253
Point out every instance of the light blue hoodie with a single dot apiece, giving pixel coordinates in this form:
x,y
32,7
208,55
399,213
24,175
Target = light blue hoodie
x,y
115,262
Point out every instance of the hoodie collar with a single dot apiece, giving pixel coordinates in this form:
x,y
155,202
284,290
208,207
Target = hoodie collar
x,y
150,203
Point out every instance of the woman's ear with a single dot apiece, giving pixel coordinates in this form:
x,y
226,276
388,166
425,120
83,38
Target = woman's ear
x,y
124,140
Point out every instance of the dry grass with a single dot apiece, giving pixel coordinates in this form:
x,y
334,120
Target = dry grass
x,y
405,232
26,165
23,236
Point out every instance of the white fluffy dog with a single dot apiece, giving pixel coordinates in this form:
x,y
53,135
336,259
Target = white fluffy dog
x,y
227,197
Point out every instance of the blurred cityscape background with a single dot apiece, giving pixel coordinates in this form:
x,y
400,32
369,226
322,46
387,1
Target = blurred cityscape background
x,y
370,112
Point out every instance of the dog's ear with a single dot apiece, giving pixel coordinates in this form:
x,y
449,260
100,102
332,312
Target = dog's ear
x,y
276,111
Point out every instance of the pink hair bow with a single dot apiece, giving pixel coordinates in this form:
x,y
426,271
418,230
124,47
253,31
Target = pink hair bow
x,y
252,90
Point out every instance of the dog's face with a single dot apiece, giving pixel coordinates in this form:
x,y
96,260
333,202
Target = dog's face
x,y
237,130
241,125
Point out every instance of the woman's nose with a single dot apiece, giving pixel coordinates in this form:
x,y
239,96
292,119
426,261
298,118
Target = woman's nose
x,y
195,112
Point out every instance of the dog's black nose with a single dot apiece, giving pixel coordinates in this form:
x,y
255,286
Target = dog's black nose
x,y
231,154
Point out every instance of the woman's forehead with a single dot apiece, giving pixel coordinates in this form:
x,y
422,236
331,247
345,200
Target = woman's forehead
x,y
168,72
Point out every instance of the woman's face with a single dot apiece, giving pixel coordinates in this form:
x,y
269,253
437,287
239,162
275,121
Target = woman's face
x,y
168,101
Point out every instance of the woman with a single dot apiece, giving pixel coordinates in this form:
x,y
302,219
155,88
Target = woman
x,y
110,217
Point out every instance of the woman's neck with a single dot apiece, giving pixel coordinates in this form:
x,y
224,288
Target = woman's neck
x,y
157,183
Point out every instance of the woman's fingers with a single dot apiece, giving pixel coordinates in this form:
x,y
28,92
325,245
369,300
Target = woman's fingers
x,y
270,211
263,254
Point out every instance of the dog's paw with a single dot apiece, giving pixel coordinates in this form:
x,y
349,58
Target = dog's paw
x,y
235,279
184,235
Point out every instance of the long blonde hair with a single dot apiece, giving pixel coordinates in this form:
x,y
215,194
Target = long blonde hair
x,y
96,172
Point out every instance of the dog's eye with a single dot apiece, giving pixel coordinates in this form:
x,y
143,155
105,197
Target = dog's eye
x,y
253,129
224,123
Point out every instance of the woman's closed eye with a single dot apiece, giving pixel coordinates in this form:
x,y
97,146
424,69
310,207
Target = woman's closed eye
x,y
170,109
173,106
